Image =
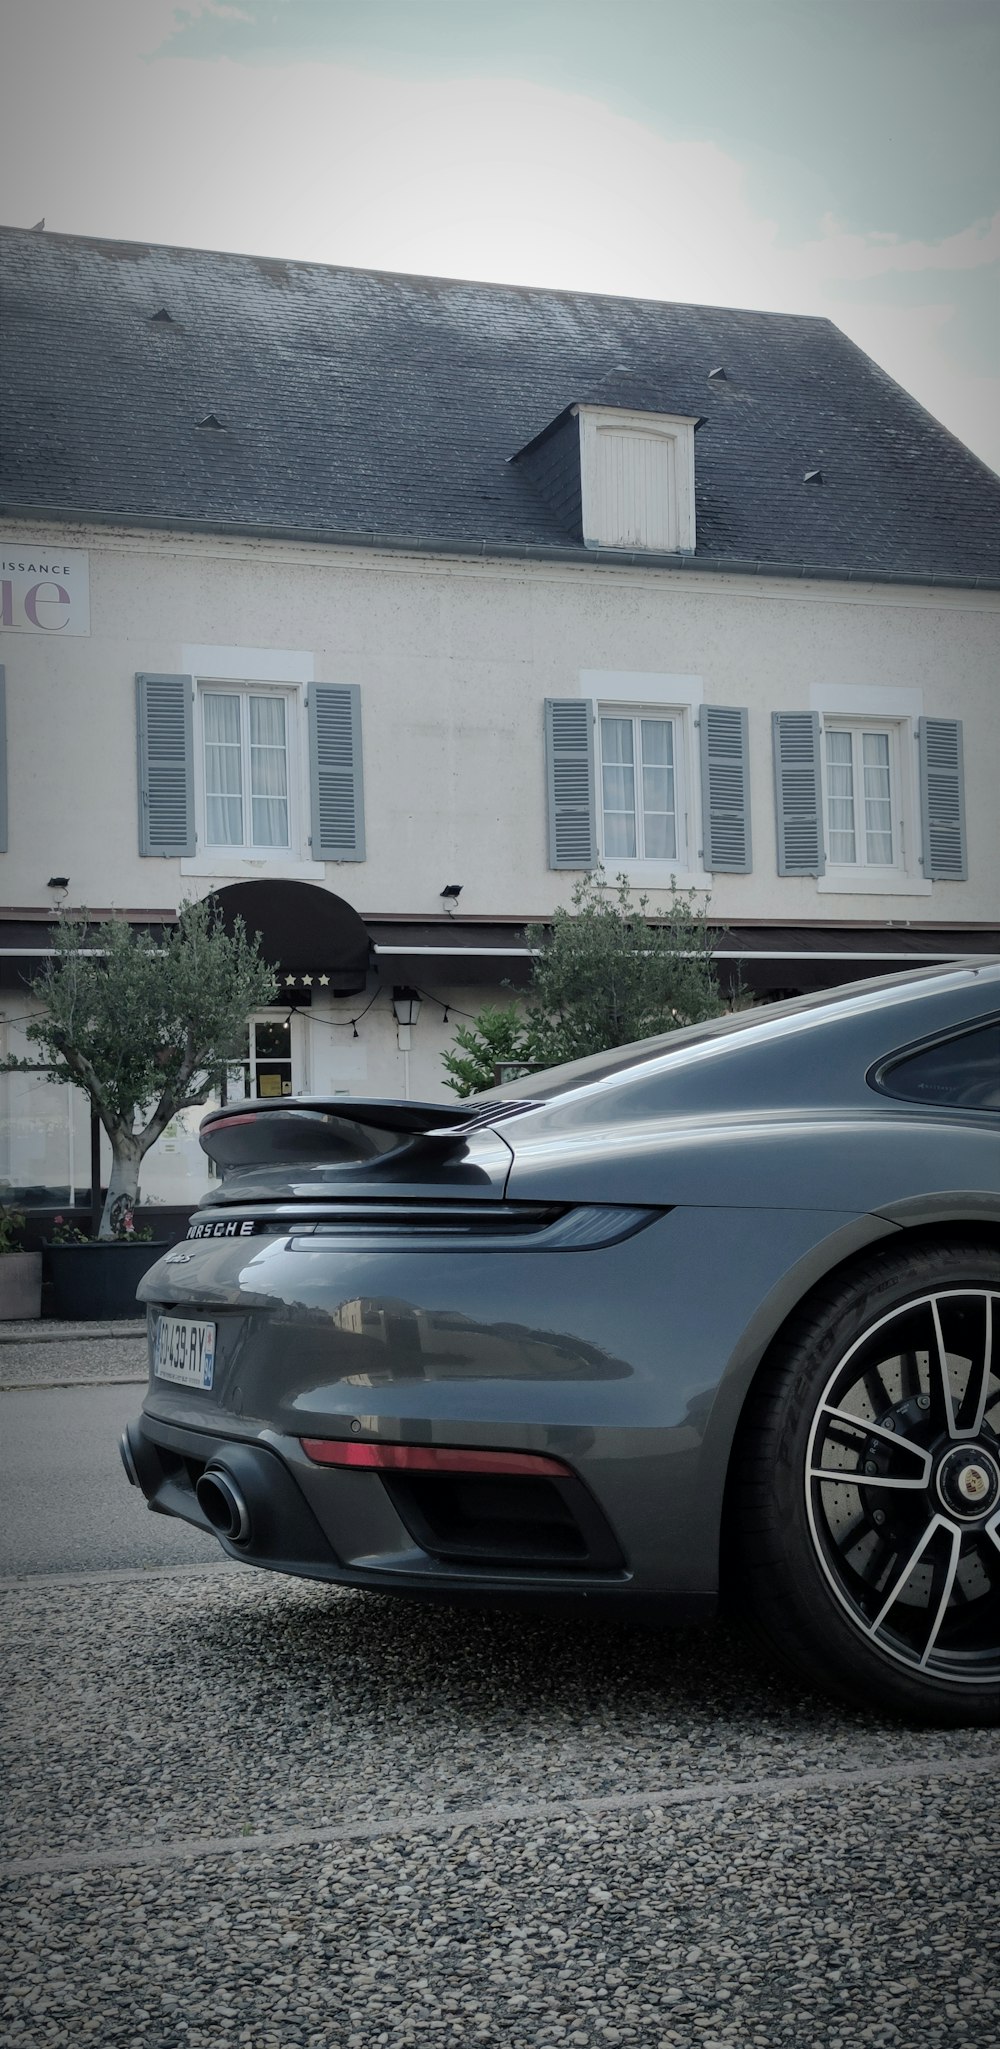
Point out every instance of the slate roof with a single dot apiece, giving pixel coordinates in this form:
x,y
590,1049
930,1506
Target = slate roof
x,y
365,405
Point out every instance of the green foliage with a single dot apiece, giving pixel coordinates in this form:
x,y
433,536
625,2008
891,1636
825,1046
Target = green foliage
x,y
146,1028
11,1226
604,976
63,1233
493,1036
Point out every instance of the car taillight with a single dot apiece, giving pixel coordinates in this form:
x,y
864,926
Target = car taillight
x,y
422,1458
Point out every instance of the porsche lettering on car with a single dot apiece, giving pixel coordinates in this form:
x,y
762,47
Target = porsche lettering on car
x,y
711,1318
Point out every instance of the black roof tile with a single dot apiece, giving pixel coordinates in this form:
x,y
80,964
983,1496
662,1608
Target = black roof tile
x,y
361,403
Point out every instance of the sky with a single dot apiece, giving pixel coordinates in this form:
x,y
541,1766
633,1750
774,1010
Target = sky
x,y
835,157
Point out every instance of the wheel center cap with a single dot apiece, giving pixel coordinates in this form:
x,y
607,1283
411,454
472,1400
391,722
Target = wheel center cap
x,y
968,1480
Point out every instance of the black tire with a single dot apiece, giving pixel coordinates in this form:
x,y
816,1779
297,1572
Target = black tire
x,y
885,1380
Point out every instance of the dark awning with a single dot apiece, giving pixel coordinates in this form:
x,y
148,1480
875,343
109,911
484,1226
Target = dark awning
x,y
303,930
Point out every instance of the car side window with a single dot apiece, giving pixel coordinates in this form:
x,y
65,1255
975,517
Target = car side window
x,y
963,1072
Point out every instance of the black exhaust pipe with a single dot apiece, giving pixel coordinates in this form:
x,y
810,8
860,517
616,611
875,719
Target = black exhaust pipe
x,y
128,1461
223,1503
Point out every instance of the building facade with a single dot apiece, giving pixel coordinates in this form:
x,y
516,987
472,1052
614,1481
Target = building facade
x,y
383,609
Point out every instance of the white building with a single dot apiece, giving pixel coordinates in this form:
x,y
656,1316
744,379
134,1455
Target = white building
x,y
344,591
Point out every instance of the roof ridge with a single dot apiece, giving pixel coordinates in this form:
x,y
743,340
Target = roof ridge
x,y
419,276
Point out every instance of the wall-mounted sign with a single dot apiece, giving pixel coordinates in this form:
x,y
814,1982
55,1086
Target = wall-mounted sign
x,y
44,589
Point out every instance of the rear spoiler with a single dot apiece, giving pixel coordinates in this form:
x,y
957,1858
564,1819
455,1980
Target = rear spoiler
x,y
294,1130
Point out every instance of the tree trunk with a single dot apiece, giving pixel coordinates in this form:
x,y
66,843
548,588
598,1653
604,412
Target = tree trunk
x,y
123,1183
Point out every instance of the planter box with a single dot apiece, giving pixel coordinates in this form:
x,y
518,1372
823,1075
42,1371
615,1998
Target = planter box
x,y
20,1285
96,1282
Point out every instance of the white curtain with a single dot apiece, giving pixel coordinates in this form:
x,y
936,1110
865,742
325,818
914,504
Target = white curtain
x,y
268,772
840,781
878,800
223,769
659,801
618,786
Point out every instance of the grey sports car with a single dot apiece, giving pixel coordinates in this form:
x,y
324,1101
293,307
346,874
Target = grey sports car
x,y
718,1314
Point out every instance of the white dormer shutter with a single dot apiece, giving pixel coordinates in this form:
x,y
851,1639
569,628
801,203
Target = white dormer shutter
x,y
637,477
635,481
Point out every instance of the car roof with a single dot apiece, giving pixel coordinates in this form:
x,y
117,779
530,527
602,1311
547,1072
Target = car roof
x,y
842,1030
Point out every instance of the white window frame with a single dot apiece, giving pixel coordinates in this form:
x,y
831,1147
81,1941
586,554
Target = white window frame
x,y
216,666
858,729
226,859
875,709
243,693
636,716
642,694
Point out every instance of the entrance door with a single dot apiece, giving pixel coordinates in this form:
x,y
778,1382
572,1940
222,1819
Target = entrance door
x,y
266,1069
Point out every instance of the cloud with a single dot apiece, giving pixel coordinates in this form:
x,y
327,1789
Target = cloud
x,y
843,254
486,178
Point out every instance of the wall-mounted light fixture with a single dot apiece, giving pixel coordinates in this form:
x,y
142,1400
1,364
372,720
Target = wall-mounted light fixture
x,y
405,1006
406,1010
57,882
451,892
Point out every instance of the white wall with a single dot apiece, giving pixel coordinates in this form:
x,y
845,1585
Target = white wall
x,y
454,660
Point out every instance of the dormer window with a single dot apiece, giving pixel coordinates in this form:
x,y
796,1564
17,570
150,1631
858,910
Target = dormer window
x,y
637,476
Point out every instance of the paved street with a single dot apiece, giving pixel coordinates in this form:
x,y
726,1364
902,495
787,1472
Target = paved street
x,y
249,1811
65,1504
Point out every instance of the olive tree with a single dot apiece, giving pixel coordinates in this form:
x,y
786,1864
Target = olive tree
x,y
603,974
145,1026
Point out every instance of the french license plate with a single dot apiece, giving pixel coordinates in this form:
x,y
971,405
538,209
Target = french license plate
x,y
184,1351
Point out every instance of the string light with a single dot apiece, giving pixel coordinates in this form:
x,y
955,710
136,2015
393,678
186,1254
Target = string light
x,y
447,1007
449,1011
340,1024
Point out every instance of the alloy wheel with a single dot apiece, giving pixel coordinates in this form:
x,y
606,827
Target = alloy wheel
x,y
903,1485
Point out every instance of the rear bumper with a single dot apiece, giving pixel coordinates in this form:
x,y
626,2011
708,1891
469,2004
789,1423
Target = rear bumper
x,y
367,1529
169,1462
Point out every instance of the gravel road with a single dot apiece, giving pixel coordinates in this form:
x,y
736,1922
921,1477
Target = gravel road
x,y
250,1811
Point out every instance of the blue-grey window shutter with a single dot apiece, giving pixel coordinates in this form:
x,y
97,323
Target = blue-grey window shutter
x,y
942,800
338,801
165,721
3,762
569,762
798,792
725,789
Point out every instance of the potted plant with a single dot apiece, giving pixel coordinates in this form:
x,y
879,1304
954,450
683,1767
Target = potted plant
x,y
146,1025
20,1271
85,1286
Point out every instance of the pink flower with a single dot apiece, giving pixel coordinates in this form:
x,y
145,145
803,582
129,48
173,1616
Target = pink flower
x,y
58,1220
